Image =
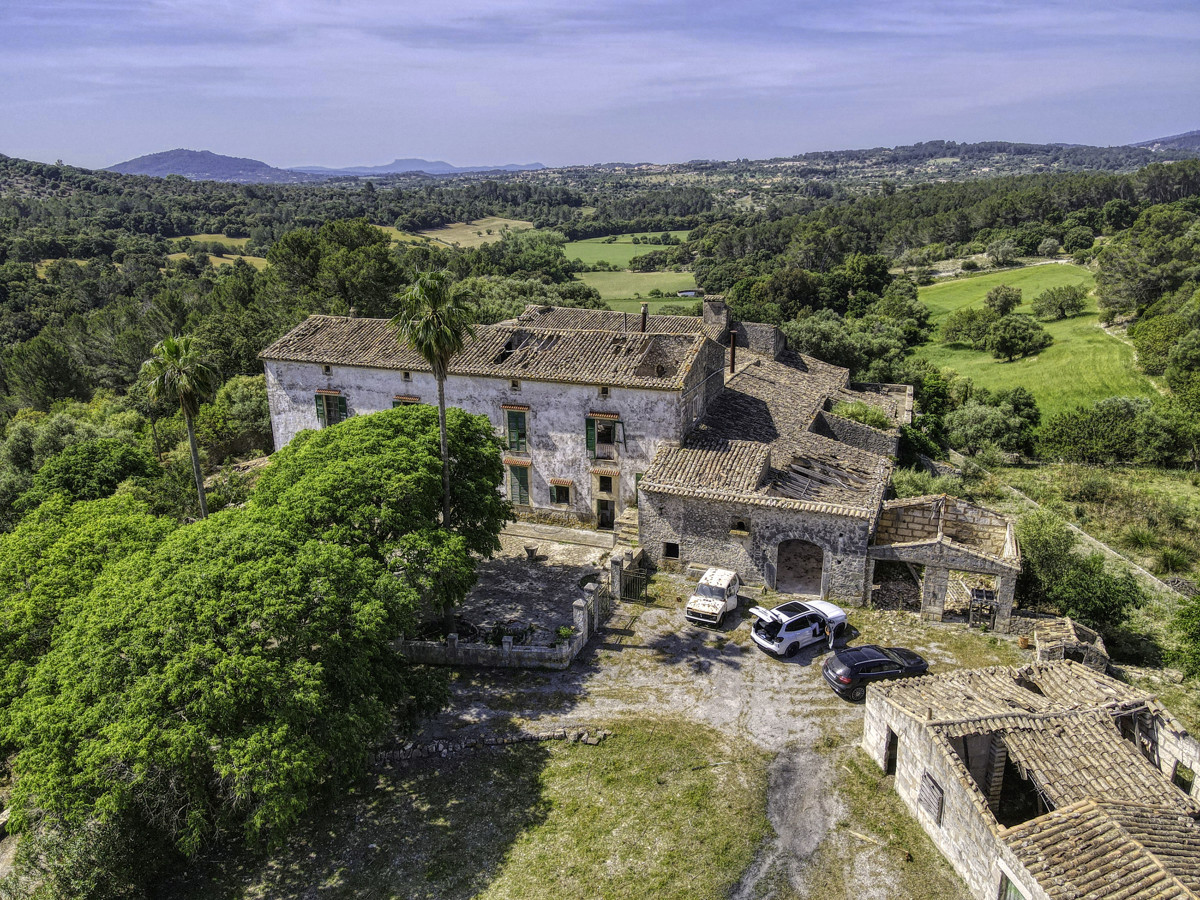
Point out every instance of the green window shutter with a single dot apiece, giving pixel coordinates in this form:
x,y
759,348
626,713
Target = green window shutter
x,y
321,410
342,409
591,437
520,485
516,430
396,403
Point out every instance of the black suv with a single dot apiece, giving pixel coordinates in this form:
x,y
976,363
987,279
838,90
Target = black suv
x,y
851,669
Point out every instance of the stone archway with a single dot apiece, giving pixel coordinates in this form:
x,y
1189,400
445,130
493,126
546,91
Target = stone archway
x,y
800,567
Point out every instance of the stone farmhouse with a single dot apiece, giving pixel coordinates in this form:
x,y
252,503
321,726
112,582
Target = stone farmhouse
x,y
711,442
1047,782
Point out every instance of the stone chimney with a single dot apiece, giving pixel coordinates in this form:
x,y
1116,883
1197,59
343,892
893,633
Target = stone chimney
x,y
645,316
716,313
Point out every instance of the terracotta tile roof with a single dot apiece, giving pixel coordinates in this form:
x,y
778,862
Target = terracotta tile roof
x,y
1080,756
754,445
567,319
657,361
1110,850
998,696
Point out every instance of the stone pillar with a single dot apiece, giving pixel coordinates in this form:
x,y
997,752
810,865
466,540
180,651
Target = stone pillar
x,y
614,576
1006,587
589,601
867,593
580,614
933,593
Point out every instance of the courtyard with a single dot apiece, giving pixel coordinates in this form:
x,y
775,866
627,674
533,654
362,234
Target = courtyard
x,y
729,774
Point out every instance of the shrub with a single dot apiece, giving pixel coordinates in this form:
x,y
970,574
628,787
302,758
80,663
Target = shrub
x,y
1060,302
1173,560
1080,238
1049,247
1003,299
1154,339
864,413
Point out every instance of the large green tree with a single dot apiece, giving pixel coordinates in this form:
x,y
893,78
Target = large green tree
x,y
179,371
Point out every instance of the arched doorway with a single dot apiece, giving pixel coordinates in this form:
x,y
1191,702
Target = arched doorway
x,y
799,568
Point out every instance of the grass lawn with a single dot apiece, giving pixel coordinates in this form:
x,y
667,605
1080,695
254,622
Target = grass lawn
x,y
1083,365
473,234
619,252
663,808
625,285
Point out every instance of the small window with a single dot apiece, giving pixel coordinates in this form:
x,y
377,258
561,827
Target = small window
x,y
604,392
606,484
670,551
930,798
515,385
518,486
408,376
560,494
1008,890
326,370
1183,778
517,437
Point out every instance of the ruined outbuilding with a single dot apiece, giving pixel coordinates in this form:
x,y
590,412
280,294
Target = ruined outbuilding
x,y
1046,782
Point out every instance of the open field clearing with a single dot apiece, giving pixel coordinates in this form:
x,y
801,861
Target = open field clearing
x,y
626,285
224,239
398,236
472,234
1083,365
258,262
618,252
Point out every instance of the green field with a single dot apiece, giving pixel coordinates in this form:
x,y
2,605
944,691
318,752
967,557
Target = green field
x,y
626,285
617,253
398,236
1083,365
472,234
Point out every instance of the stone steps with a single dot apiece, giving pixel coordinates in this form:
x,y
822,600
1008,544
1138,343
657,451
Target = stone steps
x,y
627,527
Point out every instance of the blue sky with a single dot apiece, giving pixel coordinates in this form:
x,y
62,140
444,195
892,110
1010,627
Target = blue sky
x,y
356,82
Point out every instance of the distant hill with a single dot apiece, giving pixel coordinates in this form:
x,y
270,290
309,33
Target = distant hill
x,y
1189,140
429,167
204,165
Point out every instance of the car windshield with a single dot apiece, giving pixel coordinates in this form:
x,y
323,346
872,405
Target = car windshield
x,y
710,590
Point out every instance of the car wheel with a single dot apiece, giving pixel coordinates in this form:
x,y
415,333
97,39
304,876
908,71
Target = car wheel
x,y
792,650
858,693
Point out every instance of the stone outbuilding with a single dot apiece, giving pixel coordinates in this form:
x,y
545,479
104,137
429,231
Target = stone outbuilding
x,y
945,535
1067,639
1049,781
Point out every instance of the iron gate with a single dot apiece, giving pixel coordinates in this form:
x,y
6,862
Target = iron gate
x,y
633,585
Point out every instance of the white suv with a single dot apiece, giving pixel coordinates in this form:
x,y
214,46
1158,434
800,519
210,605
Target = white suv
x,y
786,629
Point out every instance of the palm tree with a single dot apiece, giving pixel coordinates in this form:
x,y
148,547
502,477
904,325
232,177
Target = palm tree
x,y
177,371
436,323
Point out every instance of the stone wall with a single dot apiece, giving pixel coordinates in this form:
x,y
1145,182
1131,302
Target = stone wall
x,y
967,832
856,434
508,655
557,446
701,528
1177,747
970,524
906,524
760,338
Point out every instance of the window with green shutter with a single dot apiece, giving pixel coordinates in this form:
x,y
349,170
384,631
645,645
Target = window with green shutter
x,y
590,431
516,430
518,491
331,409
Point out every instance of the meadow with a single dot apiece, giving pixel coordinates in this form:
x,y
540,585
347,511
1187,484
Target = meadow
x,y
257,262
618,252
224,239
472,234
1084,364
627,285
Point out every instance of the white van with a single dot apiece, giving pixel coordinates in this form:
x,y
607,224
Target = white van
x,y
715,595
